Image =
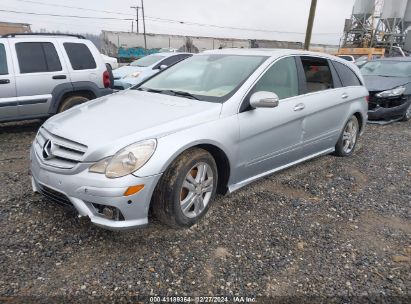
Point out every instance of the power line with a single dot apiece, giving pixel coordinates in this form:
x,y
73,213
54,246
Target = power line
x,y
66,16
75,7
158,20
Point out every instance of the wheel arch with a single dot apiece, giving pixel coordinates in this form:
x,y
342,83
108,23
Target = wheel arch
x,y
361,121
220,156
65,90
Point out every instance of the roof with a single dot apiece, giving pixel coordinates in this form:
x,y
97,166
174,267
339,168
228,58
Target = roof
x,y
398,59
167,54
269,52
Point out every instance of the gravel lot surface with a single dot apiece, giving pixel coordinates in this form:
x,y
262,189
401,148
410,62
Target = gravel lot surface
x,y
329,227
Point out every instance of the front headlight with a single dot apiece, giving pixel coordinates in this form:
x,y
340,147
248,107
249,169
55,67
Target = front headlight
x,y
127,160
132,75
391,93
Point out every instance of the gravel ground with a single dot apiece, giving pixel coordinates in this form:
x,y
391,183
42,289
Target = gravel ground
x,y
331,227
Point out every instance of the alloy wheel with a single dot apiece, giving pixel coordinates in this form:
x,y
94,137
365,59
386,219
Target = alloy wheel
x,y
196,190
350,136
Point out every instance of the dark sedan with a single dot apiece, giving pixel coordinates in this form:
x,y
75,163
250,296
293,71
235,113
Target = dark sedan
x,y
389,82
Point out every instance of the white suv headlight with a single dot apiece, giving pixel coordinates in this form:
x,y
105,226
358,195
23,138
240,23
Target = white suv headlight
x,y
127,160
391,93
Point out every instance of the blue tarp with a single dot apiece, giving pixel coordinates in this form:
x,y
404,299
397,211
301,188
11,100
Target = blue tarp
x,y
137,52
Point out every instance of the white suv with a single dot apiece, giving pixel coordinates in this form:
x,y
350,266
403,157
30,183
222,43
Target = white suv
x,y
44,74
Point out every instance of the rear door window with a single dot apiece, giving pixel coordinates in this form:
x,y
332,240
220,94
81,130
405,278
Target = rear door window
x,y
317,74
172,60
347,76
3,60
80,56
37,57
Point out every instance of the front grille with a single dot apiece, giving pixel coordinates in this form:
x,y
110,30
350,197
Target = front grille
x,y
65,153
389,102
55,196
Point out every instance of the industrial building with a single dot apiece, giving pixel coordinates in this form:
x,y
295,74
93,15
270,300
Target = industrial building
x,y
11,27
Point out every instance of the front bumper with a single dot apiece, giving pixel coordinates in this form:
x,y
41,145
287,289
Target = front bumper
x,y
388,113
84,191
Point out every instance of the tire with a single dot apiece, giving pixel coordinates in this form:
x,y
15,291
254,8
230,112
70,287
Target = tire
x,y
407,114
170,193
70,102
348,138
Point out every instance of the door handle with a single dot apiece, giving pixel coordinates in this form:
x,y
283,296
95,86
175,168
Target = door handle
x,y
344,96
4,81
59,77
299,107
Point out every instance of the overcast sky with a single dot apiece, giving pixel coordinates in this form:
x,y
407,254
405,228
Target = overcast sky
x,y
288,16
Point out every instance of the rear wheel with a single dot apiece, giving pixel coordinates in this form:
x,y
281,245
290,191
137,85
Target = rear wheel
x,y
348,139
70,102
186,189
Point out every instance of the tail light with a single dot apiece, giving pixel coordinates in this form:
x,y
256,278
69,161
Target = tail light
x,y
106,79
367,98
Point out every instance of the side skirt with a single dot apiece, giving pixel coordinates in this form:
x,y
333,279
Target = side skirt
x,y
243,183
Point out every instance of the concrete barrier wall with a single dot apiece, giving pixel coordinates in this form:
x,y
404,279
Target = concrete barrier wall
x,y
131,45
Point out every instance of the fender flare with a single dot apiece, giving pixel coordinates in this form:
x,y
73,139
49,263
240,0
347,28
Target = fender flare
x,y
63,88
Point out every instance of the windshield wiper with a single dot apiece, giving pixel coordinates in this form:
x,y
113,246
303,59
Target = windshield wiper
x,y
149,90
169,92
181,93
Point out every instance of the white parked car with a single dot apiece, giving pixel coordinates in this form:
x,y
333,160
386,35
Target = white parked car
x,y
143,68
111,61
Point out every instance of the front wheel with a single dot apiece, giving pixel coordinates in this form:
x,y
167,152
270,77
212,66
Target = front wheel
x,y
186,190
348,138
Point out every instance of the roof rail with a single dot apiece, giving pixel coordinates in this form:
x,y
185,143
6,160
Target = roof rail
x,y
41,34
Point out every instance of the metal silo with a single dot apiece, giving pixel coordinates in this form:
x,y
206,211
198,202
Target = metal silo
x,y
358,29
391,26
393,9
363,7
407,15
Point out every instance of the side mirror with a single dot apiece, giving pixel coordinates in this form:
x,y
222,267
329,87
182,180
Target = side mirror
x,y
264,99
163,66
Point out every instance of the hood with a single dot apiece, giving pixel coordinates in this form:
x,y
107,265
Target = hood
x,y
381,83
127,70
112,122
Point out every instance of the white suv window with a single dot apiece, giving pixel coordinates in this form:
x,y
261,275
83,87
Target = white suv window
x,y
80,56
3,60
35,57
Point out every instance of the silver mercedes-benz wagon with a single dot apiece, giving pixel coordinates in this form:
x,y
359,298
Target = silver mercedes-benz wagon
x,y
210,124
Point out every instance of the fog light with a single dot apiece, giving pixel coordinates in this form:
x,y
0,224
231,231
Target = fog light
x,y
133,190
108,212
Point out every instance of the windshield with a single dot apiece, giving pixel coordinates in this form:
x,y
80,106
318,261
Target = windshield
x,y
387,68
206,77
147,61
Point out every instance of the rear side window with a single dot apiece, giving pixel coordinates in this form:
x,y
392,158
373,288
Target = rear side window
x,y
80,56
172,60
36,57
317,74
3,60
347,76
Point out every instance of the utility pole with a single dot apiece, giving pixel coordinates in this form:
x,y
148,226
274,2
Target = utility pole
x,y
136,8
144,24
310,25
